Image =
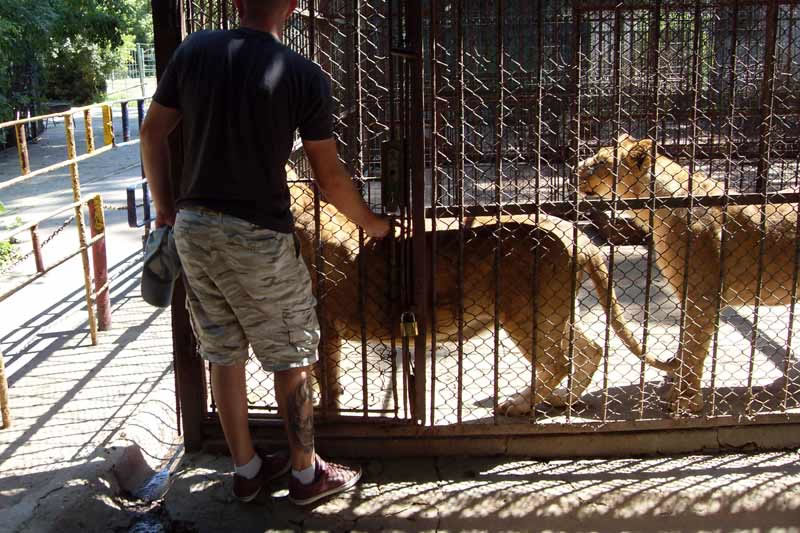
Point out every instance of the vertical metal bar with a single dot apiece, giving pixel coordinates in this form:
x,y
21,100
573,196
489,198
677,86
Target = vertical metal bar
x,y
126,130
617,95
140,68
97,226
37,248
393,282
190,374
417,145
140,112
724,210
108,126
76,196
459,184
22,149
654,53
690,192
319,263
787,361
498,199
767,102
87,126
146,206
575,90
435,173
5,412
537,205
359,151
767,83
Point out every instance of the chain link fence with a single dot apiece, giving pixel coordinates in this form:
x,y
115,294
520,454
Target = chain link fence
x,y
137,74
611,196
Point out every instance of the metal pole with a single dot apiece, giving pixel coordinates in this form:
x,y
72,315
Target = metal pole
x,y
97,226
126,129
108,126
76,196
37,249
140,67
87,126
417,159
22,149
6,412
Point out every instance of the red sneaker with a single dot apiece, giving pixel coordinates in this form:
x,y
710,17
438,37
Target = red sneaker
x,y
329,479
272,467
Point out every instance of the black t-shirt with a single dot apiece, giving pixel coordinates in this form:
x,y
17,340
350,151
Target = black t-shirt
x,y
242,94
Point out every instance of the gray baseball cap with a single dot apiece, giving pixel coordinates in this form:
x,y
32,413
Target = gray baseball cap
x,y
161,267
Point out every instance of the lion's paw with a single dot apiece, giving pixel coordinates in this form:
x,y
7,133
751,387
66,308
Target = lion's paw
x,y
685,405
516,406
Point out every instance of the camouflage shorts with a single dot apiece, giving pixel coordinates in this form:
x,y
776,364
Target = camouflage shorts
x,y
248,285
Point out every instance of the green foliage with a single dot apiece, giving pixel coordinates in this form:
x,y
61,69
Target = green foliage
x,y
8,252
77,73
63,49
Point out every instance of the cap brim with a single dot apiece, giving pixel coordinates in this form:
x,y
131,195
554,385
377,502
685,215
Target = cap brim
x,y
157,292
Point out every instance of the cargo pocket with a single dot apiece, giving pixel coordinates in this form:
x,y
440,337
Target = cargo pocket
x,y
303,328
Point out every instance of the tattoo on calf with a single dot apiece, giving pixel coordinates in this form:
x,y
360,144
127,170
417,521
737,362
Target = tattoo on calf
x,y
301,416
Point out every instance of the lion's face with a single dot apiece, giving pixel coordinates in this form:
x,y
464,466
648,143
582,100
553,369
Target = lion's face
x,y
596,173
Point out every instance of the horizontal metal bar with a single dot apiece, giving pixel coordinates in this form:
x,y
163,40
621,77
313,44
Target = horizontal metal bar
x,y
70,111
16,231
616,5
576,445
62,164
132,206
393,428
405,53
565,208
104,288
58,263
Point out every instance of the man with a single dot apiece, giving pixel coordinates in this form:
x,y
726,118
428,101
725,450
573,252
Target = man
x,y
240,96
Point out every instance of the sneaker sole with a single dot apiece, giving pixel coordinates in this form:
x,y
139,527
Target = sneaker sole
x,y
350,484
248,499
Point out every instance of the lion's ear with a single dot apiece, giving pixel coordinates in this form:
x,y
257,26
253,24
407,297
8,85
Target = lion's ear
x,y
640,153
625,138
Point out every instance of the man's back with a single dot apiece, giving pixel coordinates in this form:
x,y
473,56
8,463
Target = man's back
x,y
242,95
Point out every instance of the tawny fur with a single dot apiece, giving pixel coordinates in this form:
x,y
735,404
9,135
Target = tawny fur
x,y
341,317
673,236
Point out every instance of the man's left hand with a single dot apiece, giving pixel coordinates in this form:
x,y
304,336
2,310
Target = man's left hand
x,y
165,218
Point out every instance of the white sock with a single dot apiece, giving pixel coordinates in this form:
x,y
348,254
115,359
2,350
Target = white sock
x,y
251,469
306,475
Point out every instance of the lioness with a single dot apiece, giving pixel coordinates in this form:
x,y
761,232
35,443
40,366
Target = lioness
x,y
673,236
341,318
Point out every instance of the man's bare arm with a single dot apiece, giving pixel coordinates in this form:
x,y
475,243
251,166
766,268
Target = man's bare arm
x,y
157,125
338,187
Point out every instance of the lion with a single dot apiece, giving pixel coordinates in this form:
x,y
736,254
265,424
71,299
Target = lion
x,y
674,237
519,293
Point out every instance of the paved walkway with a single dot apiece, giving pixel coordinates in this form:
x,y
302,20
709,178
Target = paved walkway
x,y
81,413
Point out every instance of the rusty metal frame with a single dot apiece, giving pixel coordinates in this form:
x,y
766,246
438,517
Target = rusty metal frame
x,y
416,100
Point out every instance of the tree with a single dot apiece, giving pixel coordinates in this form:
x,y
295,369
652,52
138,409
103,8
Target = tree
x,y
63,49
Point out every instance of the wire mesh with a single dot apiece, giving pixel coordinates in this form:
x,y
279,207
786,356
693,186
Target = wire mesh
x,y
526,110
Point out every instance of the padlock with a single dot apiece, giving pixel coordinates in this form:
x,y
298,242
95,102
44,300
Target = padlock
x,y
408,324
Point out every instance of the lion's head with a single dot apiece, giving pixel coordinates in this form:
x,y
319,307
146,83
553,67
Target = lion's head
x,y
596,174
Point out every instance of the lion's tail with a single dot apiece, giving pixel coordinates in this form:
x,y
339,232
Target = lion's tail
x,y
598,271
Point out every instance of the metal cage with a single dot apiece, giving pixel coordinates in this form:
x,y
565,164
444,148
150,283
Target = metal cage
x,y
493,115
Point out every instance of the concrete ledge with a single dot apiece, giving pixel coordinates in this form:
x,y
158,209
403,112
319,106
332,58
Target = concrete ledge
x,y
598,444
